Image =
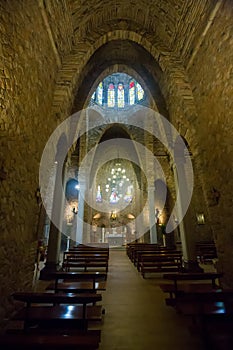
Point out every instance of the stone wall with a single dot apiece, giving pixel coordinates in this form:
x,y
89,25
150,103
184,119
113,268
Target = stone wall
x,y
27,78
212,85
43,43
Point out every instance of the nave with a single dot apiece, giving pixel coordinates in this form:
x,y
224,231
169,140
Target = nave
x,y
136,314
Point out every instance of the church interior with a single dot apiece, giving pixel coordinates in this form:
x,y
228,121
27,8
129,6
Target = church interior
x,y
116,129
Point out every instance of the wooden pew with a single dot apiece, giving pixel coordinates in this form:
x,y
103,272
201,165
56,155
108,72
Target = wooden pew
x,y
181,289
133,248
86,264
67,255
176,288
84,259
77,282
193,276
211,314
53,310
151,250
90,249
160,263
162,252
89,340
206,251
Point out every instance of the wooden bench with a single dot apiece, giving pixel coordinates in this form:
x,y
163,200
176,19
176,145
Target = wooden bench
x,y
211,313
175,289
85,264
68,255
160,263
193,276
173,292
134,247
140,254
89,340
58,310
162,250
206,251
77,287
90,250
78,281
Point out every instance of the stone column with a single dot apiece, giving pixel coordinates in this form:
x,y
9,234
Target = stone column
x,y
87,238
151,202
80,214
186,226
139,224
54,243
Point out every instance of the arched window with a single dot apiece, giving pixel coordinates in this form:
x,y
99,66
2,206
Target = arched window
x,y
119,91
100,93
121,96
111,95
140,92
131,93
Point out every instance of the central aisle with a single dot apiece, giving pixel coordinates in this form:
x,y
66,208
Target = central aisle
x,y
136,315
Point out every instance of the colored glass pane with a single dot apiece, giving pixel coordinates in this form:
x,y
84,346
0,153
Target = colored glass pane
x,y
140,92
100,93
98,195
131,93
121,96
111,95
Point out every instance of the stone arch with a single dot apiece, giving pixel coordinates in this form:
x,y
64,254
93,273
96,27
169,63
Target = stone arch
x,y
111,132
75,63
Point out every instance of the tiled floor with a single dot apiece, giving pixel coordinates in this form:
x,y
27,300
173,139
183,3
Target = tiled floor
x,y
137,317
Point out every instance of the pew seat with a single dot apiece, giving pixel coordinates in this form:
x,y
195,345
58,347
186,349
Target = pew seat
x,y
24,341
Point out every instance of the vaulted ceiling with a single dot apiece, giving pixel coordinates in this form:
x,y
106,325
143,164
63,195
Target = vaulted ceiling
x,y
164,22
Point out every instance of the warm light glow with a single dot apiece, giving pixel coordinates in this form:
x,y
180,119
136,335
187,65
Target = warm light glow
x,y
97,216
131,216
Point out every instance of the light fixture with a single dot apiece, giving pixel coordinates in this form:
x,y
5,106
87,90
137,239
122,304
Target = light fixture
x,y
97,216
130,216
113,216
200,218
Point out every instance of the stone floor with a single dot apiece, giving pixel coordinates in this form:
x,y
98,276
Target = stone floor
x,y
137,317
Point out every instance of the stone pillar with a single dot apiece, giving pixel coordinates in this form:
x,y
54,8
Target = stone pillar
x,y
80,214
186,226
87,238
139,224
151,201
54,243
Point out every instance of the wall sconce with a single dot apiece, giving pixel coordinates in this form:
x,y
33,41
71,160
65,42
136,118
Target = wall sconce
x,y
200,219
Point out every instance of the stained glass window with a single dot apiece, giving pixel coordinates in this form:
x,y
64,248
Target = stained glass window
x,y
100,93
111,95
131,93
121,96
118,90
98,195
140,92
